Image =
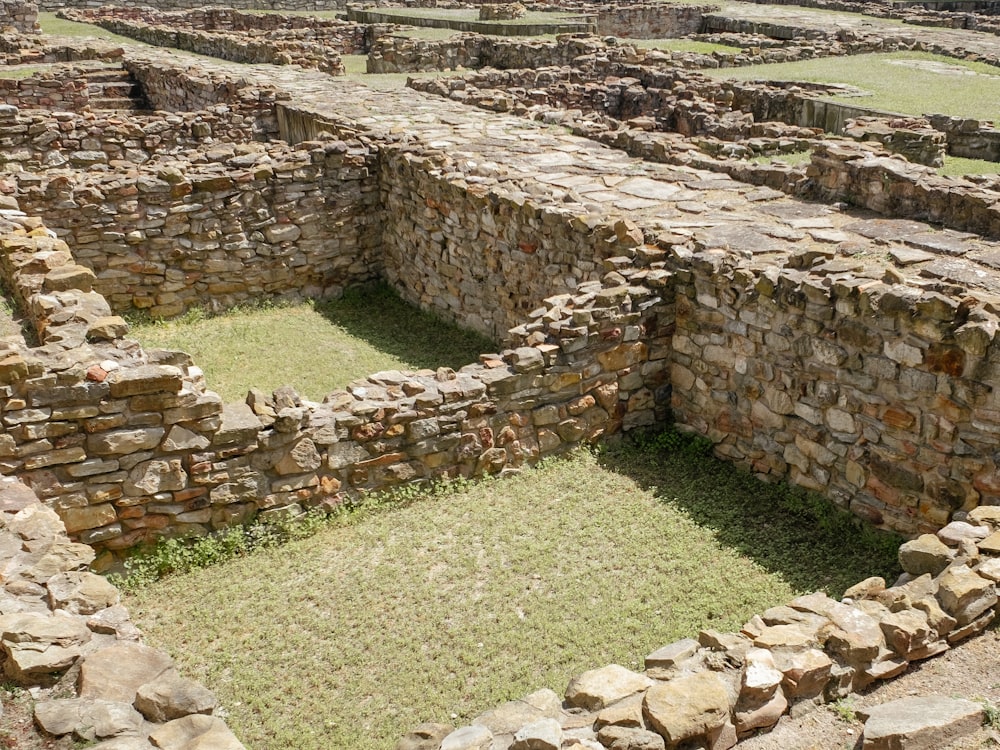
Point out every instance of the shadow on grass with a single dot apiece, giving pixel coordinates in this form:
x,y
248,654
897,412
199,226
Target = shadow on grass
x,y
377,315
798,535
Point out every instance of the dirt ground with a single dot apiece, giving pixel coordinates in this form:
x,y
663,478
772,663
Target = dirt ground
x,y
970,670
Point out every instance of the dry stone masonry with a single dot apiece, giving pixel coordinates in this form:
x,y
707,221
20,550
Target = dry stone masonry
x,y
845,346
65,635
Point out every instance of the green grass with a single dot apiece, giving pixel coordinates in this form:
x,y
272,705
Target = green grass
x,y
794,158
681,45
957,166
61,27
893,87
315,347
16,72
445,607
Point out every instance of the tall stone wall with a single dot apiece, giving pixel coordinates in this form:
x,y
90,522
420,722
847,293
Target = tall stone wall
x,y
222,226
128,446
875,394
485,260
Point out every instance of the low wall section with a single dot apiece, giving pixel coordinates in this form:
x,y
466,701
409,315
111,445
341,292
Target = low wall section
x,y
134,448
654,21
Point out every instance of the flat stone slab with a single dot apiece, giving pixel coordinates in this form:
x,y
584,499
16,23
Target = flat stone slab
x,y
921,723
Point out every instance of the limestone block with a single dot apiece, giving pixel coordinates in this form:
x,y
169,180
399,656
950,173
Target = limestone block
x,y
511,716
468,738
39,644
629,738
81,592
171,696
964,594
598,688
919,723
687,707
132,381
116,672
195,731
925,554
87,719
544,734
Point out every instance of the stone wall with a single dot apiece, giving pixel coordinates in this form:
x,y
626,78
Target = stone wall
x,y
718,688
969,138
395,54
219,226
67,638
233,36
65,91
654,21
498,28
870,392
485,260
276,5
128,446
20,16
896,187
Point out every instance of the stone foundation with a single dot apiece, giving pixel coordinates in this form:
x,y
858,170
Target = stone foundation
x,y
654,21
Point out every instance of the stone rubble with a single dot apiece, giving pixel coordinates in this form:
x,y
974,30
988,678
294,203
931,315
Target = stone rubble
x,y
64,635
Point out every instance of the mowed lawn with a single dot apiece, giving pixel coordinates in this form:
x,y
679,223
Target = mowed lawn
x,y
907,82
441,609
315,347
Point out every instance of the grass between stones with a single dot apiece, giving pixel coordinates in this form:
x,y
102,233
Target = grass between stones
x,y
906,82
441,608
316,347
61,27
681,45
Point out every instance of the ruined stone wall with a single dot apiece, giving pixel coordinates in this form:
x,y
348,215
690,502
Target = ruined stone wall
x,y
225,225
484,260
653,21
898,188
128,445
278,5
717,688
63,624
969,138
394,54
874,394
64,92
20,16
37,141
319,48
172,89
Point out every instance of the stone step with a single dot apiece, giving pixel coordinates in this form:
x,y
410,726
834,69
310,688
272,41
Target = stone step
x,y
920,723
117,103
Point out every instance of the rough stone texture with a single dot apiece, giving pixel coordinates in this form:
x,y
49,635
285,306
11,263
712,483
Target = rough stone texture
x,y
68,621
600,687
920,723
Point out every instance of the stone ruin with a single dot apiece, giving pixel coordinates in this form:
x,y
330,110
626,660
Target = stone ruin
x,y
807,319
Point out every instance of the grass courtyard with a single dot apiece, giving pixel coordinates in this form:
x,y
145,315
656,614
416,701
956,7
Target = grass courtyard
x,y
367,330
441,608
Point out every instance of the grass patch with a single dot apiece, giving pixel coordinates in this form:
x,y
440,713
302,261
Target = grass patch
x,y
17,72
61,27
315,347
793,158
439,609
681,45
957,166
894,86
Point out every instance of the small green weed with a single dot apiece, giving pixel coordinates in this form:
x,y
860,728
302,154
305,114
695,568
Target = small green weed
x,y
845,710
991,713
